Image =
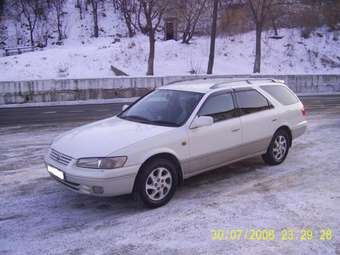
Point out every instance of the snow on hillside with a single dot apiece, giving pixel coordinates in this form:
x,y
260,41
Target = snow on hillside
x,y
234,55
80,30
82,56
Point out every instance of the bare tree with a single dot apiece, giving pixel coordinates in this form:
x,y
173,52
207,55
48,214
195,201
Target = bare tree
x,y
128,9
32,11
79,5
94,7
58,6
152,11
213,38
142,27
261,12
190,15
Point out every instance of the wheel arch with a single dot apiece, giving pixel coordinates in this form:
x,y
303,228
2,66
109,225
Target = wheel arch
x,y
163,155
289,132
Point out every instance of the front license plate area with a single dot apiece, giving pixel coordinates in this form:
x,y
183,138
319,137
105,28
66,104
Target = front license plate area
x,y
56,172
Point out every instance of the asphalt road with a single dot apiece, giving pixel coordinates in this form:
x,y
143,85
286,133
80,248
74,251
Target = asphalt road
x,y
92,112
40,216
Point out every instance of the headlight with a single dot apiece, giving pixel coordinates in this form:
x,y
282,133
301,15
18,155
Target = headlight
x,y
102,163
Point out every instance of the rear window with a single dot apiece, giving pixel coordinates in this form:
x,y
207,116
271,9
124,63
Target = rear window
x,y
250,101
281,94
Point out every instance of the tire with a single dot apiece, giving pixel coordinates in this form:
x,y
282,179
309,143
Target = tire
x,y
278,148
156,183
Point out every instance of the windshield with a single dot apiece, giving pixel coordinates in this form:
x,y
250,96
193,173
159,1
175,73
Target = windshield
x,y
163,107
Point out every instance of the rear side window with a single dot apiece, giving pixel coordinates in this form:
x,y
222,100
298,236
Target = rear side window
x,y
220,107
281,94
250,101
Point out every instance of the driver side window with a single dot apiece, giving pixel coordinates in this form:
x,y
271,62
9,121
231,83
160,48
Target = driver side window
x,y
220,107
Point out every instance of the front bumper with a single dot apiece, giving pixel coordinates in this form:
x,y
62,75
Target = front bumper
x,y
96,182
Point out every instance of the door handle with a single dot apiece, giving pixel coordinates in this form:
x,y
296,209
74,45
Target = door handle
x,y
274,120
235,130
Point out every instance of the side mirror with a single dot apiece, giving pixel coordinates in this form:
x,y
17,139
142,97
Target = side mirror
x,y
125,106
202,121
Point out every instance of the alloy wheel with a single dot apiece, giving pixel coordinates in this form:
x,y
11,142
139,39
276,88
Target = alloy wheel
x,y
158,183
279,147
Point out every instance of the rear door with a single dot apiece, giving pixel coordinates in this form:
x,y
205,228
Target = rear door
x,y
258,120
291,110
214,145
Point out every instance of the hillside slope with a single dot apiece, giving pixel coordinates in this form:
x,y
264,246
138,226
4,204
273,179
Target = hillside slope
x,y
82,56
292,54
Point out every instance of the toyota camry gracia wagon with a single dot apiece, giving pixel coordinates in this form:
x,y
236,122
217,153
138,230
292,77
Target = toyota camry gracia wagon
x,y
175,132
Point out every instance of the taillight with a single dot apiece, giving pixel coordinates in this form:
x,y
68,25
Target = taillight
x,y
303,111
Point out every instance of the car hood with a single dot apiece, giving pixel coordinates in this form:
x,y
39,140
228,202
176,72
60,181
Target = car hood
x,y
104,137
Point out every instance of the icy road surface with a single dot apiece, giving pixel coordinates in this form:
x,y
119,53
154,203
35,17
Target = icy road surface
x,y
40,216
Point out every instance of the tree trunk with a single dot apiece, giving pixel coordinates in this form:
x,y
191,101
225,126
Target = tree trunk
x,y
186,32
151,53
275,28
213,39
95,18
31,28
257,63
128,22
131,31
184,37
59,25
79,5
31,37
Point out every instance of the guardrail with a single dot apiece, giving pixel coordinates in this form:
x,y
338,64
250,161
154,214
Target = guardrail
x,y
14,92
19,50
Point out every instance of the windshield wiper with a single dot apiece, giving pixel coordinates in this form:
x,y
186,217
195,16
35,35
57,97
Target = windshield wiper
x,y
166,123
147,121
136,118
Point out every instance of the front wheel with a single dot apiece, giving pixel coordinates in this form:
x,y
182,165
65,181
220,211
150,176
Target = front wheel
x,y
156,183
278,148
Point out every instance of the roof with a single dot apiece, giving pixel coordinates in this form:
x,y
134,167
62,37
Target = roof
x,y
214,84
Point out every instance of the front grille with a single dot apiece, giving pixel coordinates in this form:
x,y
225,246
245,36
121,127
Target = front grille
x,y
60,157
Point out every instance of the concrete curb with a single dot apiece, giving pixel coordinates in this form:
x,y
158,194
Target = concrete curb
x,y
318,94
46,91
122,101
65,103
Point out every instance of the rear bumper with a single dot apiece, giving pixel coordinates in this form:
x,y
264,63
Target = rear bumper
x,y
299,129
101,183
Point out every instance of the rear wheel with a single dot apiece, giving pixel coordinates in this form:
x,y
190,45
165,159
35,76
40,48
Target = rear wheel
x,y
156,183
278,148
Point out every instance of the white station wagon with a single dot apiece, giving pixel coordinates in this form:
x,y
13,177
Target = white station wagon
x,y
175,132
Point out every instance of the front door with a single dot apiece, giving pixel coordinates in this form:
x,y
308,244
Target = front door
x,y
214,145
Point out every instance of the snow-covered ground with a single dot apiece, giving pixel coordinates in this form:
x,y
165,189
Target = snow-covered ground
x,y
234,55
40,216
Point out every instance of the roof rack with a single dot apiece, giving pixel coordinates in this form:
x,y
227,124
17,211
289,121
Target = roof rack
x,y
248,80
187,80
